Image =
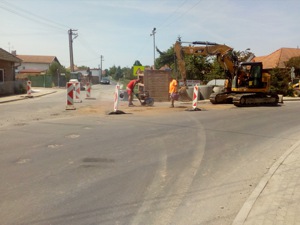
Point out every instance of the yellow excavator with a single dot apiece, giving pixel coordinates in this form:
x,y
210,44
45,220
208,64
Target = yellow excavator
x,y
246,82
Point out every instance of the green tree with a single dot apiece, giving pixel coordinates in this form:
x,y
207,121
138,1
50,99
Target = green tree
x,y
279,81
82,67
118,75
105,73
197,67
127,73
55,69
112,71
137,63
165,58
215,71
294,62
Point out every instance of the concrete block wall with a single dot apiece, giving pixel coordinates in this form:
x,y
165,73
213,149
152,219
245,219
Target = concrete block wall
x,y
156,82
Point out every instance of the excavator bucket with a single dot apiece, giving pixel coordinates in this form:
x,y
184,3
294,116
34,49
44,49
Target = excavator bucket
x,y
183,95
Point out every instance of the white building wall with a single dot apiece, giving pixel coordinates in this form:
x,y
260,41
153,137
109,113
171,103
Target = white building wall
x,y
33,66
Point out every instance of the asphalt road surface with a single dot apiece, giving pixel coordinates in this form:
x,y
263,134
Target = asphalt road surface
x,y
161,166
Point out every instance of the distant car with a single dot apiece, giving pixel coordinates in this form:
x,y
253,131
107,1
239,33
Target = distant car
x,y
104,80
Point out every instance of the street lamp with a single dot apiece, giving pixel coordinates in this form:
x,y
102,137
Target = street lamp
x,y
153,34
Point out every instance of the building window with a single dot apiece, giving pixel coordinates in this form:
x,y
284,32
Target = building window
x,y
1,75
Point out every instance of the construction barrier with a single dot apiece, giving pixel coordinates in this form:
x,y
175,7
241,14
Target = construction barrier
x,y
88,89
70,96
116,98
77,92
195,96
29,89
116,102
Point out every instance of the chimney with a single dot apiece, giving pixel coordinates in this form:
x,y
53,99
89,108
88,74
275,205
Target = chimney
x,y
14,53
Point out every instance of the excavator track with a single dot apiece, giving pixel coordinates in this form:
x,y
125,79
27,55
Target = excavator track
x,y
255,99
221,98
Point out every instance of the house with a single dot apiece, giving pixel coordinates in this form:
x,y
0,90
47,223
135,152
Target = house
x,y
8,83
34,68
35,64
278,58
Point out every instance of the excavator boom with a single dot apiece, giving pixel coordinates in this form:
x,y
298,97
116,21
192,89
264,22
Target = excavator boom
x,y
224,54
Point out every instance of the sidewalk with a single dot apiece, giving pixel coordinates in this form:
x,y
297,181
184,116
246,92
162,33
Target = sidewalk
x,y
275,200
36,92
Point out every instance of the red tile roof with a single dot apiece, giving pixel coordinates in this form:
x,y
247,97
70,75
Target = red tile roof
x,y
278,58
32,71
37,58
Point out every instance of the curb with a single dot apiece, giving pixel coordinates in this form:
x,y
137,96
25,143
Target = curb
x,y
246,208
22,97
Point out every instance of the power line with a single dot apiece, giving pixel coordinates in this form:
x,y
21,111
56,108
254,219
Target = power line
x,y
165,24
86,45
21,12
31,16
172,13
87,60
183,13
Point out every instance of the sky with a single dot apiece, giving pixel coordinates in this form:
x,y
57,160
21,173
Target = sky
x,y
120,30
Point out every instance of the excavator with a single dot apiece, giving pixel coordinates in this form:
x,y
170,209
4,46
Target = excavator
x,y
246,83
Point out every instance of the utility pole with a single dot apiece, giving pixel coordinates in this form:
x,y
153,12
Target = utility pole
x,y
101,59
153,34
57,71
71,34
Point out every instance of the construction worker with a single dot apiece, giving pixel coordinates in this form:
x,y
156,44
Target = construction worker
x,y
130,90
173,91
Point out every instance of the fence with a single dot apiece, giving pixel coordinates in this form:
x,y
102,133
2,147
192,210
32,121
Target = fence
x,y
41,81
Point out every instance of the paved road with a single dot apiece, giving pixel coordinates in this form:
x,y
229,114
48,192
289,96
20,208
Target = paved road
x,y
209,180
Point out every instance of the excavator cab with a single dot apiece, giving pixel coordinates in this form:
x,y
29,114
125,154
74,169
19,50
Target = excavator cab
x,y
255,76
250,76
